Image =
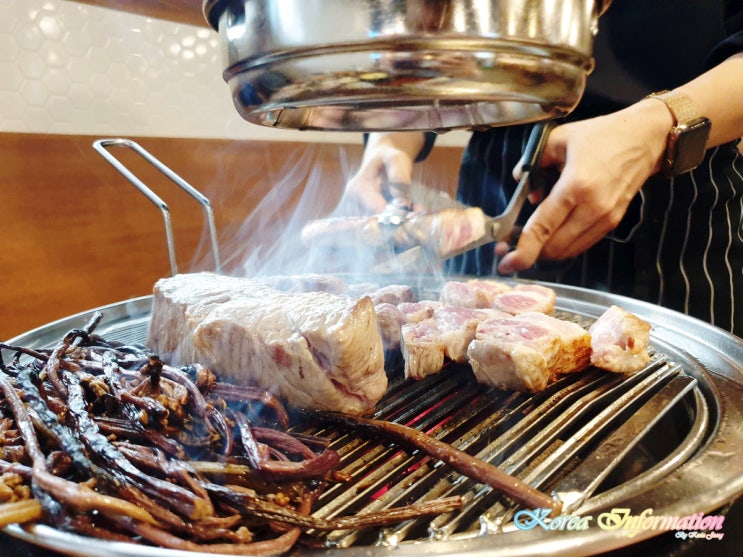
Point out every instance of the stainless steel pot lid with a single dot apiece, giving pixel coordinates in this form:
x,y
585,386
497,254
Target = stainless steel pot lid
x,y
364,65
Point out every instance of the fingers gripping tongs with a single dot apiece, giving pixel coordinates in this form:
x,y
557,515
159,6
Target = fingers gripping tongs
x,y
451,217
501,227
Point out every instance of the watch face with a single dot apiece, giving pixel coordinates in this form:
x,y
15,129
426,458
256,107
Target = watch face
x,y
687,145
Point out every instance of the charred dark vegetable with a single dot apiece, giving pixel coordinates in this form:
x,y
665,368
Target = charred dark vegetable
x,y
107,440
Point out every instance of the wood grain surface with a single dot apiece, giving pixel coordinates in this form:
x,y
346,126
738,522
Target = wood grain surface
x,y
75,235
182,11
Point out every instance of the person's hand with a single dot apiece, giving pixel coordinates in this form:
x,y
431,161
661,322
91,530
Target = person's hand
x,y
603,161
388,157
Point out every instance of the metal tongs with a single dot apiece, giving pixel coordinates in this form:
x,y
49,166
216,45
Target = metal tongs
x,y
532,178
499,228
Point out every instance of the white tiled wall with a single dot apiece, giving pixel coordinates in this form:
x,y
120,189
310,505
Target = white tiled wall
x,y
71,68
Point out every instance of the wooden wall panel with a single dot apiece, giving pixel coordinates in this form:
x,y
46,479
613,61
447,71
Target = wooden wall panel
x,y
75,235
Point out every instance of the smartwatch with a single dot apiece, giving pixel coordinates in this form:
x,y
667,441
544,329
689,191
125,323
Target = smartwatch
x,y
687,140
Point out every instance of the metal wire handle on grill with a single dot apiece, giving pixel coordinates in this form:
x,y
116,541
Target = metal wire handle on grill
x,y
101,145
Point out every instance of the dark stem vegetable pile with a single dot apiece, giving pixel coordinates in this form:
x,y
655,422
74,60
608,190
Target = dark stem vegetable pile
x,y
106,440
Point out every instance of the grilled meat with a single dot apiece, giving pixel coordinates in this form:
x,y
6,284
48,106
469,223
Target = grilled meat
x,y
423,349
488,293
524,298
390,320
434,332
619,341
454,229
418,311
426,345
391,317
344,232
315,350
442,232
528,351
474,293
392,294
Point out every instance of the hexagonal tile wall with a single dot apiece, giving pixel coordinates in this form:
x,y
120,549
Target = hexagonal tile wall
x,y
72,68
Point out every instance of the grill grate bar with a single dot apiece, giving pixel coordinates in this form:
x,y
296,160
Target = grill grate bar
x,y
518,419
588,475
616,404
538,434
373,465
521,439
551,430
395,476
543,421
696,436
651,381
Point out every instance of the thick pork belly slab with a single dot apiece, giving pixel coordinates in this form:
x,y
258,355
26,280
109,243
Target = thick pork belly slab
x,y
619,341
528,351
313,349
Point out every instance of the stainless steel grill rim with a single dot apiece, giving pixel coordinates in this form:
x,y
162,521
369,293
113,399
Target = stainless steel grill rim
x,y
699,475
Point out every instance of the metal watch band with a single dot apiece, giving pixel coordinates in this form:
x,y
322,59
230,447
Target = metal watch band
x,y
682,108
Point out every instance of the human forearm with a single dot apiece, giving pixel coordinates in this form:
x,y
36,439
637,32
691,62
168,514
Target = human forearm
x,y
409,143
605,160
715,95
718,95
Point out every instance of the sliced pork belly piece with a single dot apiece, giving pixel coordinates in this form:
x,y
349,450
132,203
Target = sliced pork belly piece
x,y
485,293
458,325
390,321
528,351
178,300
340,232
474,293
313,349
619,341
443,232
446,335
526,297
392,294
423,349
453,229
391,318
416,312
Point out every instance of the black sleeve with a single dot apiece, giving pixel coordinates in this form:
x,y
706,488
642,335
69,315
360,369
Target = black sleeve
x,y
733,44
727,48
428,141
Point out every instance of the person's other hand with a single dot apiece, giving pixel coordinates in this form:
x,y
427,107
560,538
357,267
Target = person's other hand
x,y
603,161
388,157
